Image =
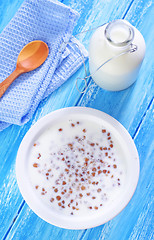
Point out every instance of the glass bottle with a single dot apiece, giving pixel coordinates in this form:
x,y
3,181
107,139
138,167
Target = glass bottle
x,y
124,47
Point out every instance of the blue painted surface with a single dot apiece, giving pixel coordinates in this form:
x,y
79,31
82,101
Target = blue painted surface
x,y
133,107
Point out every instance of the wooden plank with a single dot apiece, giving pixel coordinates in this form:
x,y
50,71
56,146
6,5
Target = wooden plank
x,y
7,11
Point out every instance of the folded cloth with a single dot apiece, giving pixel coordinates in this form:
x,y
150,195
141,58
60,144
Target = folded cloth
x,y
53,23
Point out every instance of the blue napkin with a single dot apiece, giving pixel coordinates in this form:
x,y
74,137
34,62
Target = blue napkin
x,y
53,23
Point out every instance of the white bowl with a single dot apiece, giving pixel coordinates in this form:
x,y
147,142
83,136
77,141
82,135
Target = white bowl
x,y
44,211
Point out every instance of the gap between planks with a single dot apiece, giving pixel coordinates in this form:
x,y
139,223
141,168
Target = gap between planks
x,y
127,10
9,229
142,119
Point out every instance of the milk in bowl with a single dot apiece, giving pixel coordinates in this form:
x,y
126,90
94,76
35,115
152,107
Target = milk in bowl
x,y
77,166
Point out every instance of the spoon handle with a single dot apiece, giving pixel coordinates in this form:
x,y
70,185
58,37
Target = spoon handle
x,y
7,82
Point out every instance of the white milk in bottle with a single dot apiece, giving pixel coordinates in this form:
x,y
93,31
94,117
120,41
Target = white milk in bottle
x,y
110,42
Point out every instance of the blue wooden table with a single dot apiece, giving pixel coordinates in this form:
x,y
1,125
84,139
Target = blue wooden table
x,y
133,107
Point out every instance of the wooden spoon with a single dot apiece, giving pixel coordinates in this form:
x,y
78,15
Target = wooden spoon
x,y
30,57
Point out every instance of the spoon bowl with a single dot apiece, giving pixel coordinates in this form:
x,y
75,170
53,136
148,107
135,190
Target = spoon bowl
x,y
31,57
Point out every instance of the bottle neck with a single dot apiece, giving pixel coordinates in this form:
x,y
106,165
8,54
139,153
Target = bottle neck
x,y
119,35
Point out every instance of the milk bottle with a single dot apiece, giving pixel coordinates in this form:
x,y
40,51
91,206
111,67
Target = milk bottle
x,y
124,47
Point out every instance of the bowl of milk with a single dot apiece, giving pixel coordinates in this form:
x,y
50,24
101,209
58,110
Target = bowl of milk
x,y
77,168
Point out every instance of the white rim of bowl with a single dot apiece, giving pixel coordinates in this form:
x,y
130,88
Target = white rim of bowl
x,y
36,204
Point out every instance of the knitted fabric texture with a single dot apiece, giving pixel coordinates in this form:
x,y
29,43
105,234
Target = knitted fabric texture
x,y
53,23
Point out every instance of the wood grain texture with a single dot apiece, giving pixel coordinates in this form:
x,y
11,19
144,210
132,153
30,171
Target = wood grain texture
x,y
133,107
8,9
